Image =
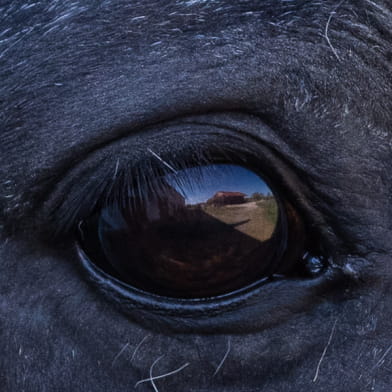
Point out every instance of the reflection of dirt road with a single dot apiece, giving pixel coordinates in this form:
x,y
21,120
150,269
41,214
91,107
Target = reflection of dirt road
x,y
251,204
252,218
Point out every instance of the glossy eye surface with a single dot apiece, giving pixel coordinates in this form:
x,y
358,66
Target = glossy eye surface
x,y
199,232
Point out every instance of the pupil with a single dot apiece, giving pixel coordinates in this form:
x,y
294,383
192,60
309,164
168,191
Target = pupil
x,y
200,232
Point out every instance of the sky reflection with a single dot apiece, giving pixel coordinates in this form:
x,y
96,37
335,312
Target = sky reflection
x,y
200,183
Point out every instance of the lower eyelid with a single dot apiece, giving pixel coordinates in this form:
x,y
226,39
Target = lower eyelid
x,y
253,309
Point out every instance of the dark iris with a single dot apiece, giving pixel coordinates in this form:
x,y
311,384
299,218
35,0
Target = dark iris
x,y
199,232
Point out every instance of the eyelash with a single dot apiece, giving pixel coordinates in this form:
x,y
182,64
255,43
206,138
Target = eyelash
x,y
113,183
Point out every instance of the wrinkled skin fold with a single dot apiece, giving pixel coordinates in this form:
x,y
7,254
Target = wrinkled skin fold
x,y
305,86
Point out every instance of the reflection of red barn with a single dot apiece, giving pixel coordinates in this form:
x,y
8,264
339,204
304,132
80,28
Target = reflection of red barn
x,y
223,198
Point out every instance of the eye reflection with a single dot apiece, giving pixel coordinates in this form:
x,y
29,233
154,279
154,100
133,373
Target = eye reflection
x,y
200,232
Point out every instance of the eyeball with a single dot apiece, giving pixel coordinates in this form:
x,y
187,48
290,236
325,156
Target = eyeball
x,y
199,232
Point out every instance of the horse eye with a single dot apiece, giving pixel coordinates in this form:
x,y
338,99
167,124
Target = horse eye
x,y
200,232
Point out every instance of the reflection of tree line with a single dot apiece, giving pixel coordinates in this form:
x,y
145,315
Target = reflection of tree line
x,y
268,203
257,196
270,208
